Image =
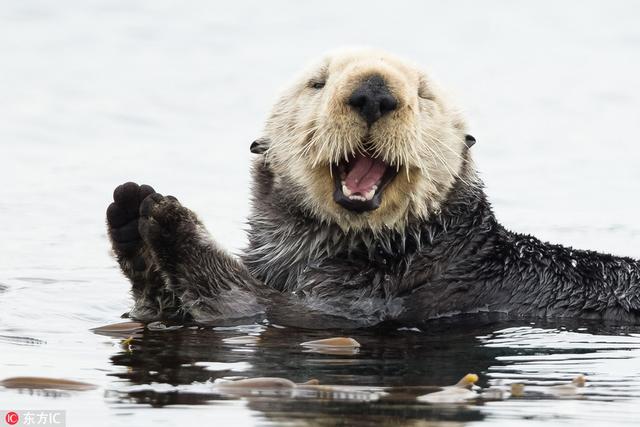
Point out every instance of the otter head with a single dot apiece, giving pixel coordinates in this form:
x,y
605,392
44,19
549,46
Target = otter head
x,y
365,140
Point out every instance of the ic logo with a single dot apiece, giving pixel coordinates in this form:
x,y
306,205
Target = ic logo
x,y
11,418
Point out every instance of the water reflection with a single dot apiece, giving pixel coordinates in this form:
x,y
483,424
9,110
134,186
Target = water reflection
x,y
382,380
189,361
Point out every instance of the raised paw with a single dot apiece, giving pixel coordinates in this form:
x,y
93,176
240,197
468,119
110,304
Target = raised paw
x,y
166,226
150,284
123,218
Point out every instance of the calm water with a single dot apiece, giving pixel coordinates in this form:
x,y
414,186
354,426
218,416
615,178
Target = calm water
x,y
95,93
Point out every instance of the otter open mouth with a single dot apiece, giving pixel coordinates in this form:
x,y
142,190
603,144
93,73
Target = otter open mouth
x,y
360,181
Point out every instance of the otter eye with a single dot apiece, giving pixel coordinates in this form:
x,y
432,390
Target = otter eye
x,y
424,94
423,90
317,84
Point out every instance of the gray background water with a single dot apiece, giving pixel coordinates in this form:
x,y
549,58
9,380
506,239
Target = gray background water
x,y
95,93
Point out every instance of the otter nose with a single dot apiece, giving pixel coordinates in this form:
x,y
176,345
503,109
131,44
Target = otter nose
x,y
372,99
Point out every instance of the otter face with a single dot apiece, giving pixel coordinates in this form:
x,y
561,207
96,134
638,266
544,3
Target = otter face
x,y
365,140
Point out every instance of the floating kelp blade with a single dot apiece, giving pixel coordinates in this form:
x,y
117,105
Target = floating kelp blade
x,y
246,339
337,342
119,329
42,383
269,383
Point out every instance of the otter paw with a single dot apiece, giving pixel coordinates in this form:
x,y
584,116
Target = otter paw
x,y
122,218
165,224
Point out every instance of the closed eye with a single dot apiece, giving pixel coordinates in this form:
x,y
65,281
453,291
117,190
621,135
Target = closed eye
x,y
424,92
317,84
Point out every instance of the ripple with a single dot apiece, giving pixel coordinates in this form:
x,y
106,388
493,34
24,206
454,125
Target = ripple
x,y
18,340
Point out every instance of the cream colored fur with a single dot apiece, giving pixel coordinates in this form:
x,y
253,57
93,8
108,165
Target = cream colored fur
x,y
310,128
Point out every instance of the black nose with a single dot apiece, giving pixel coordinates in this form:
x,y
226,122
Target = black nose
x,y
372,99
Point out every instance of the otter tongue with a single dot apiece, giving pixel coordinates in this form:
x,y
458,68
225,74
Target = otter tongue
x,y
364,173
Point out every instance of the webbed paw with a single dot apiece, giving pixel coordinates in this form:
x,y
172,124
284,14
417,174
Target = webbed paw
x,y
123,221
167,227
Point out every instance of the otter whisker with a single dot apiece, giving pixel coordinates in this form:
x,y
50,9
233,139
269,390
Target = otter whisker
x,y
439,157
432,137
474,183
439,141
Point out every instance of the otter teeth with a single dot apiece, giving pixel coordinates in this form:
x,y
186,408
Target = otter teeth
x,y
345,189
369,195
357,196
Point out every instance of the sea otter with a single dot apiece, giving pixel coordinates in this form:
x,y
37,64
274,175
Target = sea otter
x,y
366,209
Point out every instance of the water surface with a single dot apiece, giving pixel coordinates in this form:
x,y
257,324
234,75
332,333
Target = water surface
x,y
96,93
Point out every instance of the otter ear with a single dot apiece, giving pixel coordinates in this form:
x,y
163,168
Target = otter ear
x,y
259,146
469,141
